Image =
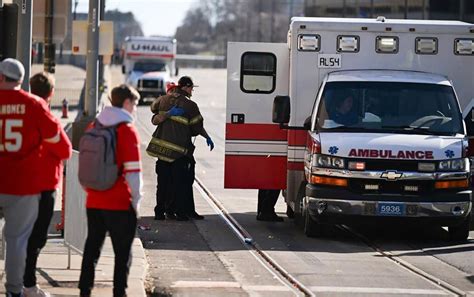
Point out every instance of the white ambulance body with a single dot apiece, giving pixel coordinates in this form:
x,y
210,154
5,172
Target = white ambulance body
x,y
402,152
149,63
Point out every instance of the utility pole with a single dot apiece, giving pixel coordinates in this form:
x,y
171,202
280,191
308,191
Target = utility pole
x,y
25,20
92,59
76,2
101,58
49,46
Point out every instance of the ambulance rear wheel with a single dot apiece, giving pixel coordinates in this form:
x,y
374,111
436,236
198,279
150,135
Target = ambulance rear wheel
x,y
459,233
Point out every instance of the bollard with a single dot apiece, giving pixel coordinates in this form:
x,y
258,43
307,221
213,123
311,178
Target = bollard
x,y
65,109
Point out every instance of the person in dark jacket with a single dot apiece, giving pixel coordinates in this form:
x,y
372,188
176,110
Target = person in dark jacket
x,y
172,144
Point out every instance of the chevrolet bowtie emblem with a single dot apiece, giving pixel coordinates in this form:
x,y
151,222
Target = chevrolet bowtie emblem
x,y
391,175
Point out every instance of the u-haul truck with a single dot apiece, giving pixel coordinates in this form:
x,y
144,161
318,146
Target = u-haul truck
x,y
148,64
356,119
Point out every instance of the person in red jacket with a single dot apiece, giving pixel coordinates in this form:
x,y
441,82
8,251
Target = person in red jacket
x,y
115,210
42,85
26,124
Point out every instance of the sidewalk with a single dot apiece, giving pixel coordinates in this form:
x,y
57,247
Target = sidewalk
x,y
53,272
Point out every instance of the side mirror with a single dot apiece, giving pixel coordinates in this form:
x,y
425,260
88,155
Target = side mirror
x,y
281,110
307,123
123,69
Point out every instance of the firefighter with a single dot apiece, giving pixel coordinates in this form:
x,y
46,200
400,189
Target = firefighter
x,y
173,144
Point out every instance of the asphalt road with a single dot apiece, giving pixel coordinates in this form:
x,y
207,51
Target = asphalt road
x,y
205,258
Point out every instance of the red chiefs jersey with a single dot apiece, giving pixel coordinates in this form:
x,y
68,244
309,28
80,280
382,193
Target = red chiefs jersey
x,y
25,124
119,197
52,158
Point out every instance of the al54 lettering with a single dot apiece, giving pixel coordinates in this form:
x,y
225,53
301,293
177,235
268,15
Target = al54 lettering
x,y
329,61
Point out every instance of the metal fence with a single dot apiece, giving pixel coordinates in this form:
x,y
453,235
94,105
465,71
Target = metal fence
x,y
75,220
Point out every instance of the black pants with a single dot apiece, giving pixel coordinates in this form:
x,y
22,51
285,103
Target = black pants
x,y
38,236
180,184
266,201
121,226
165,200
189,180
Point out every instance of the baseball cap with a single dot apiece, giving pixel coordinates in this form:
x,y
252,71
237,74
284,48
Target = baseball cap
x,y
186,81
12,69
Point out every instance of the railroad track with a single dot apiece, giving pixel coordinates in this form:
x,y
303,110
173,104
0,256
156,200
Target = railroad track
x,y
397,260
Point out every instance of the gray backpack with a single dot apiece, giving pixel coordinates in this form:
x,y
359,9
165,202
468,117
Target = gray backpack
x,y
98,168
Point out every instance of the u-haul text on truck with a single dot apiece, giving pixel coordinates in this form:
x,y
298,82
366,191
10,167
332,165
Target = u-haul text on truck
x,y
356,119
149,63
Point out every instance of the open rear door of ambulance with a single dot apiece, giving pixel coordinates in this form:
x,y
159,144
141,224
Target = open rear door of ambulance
x,y
255,148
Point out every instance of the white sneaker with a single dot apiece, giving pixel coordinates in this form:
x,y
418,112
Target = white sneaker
x,y
35,292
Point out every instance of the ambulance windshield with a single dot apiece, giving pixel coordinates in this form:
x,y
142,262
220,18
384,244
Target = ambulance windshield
x,y
388,107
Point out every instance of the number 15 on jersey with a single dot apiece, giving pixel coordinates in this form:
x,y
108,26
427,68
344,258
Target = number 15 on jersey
x,y
10,138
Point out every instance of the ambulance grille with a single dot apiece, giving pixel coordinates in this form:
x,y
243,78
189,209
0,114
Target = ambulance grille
x,y
391,187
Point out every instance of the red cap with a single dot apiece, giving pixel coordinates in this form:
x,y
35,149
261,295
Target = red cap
x,y
170,86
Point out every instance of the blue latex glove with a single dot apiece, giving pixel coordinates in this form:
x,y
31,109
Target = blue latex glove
x,y
210,143
175,111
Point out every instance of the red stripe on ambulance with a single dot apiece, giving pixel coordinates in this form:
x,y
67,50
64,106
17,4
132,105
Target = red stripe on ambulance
x,y
251,172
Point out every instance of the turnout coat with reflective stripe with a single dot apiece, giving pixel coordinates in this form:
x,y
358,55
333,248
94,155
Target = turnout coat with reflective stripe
x,y
172,138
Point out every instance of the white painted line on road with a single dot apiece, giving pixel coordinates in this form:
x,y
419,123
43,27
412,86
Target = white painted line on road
x,y
362,290
204,284
222,284
262,288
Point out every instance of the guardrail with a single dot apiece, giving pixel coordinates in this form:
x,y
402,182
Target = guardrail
x,y
75,219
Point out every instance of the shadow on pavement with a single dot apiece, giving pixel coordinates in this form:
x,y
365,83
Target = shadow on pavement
x,y
286,236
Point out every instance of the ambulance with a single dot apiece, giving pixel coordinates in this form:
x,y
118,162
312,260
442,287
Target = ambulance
x,y
149,64
356,119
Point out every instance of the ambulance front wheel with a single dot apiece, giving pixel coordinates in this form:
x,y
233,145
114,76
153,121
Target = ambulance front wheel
x,y
311,228
289,212
460,233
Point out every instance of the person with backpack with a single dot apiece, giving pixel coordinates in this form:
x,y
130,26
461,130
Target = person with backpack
x,y
42,85
113,200
26,124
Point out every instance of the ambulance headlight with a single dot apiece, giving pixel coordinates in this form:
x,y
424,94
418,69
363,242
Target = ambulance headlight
x,y
386,44
453,165
464,46
309,42
348,44
328,162
427,46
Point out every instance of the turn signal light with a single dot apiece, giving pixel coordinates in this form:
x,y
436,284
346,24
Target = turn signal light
x,y
332,181
462,183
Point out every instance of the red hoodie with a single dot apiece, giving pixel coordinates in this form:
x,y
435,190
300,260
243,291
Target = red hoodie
x,y
52,157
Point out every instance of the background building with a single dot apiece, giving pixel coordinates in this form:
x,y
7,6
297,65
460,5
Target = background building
x,y
399,9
